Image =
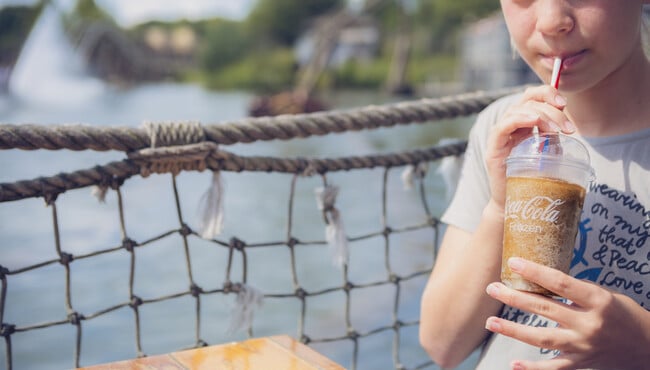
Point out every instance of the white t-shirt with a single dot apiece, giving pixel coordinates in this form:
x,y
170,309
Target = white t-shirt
x,y
613,244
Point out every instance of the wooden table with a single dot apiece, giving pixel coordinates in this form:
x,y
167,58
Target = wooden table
x,y
276,352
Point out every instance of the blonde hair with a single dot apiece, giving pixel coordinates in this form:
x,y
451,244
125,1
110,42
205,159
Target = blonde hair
x,y
645,29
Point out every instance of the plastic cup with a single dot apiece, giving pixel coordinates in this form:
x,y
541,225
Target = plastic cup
x,y
547,178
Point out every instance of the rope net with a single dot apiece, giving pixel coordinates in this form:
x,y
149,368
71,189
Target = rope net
x,y
348,292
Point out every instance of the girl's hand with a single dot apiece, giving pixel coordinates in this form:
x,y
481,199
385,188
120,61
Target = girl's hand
x,y
600,329
541,106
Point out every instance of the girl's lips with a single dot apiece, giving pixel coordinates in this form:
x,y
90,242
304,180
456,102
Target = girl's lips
x,y
568,60
572,59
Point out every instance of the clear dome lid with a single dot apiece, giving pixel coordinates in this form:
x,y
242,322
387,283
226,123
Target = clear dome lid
x,y
553,155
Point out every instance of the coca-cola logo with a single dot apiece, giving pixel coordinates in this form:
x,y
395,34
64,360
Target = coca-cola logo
x,y
537,208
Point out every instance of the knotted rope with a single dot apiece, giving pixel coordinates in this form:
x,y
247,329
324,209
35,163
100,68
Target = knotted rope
x,y
172,147
163,134
115,173
175,147
128,139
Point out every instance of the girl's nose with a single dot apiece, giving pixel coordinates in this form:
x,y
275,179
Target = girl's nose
x,y
554,17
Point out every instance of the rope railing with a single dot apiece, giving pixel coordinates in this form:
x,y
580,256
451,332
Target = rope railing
x,y
285,127
113,174
175,147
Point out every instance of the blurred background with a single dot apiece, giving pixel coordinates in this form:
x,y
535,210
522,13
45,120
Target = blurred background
x,y
123,62
310,48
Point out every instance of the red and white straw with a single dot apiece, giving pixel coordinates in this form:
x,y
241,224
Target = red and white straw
x,y
555,76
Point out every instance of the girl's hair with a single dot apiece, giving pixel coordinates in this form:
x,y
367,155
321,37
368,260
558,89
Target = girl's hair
x,y
645,29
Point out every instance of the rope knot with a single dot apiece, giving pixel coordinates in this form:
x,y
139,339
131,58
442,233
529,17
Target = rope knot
x,y
173,159
174,133
304,339
7,329
309,170
107,181
195,290
185,230
301,293
129,244
353,334
65,258
49,198
3,272
292,242
75,318
135,301
237,244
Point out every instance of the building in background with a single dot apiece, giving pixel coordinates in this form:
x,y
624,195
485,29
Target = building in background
x,y
358,40
487,60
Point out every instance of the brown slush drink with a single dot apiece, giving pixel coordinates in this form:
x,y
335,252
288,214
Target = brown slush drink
x,y
546,180
540,225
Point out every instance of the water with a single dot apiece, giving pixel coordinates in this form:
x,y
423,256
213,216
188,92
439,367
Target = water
x,y
255,211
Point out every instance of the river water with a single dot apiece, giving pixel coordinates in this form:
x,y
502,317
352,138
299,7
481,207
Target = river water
x,y
255,211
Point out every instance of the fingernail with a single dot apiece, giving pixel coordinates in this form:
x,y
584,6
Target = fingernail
x,y
492,324
569,127
516,264
560,100
492,289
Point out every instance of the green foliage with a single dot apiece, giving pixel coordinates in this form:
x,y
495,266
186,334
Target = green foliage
x,y
372,74
439,67
89,11
223,43
257,53
266,71
362,74
282,21
444,18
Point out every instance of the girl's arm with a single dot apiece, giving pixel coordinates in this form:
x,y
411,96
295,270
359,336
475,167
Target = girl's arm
x,y
454,304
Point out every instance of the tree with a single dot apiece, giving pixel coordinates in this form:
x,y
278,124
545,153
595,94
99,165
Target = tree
x,y
89,11
224,43
444,18
282,21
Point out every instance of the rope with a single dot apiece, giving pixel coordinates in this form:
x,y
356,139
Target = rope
x,y
174,133
234,282
127,139
171,147
205,155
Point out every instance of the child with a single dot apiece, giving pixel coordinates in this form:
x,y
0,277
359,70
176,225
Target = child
x,y
604,100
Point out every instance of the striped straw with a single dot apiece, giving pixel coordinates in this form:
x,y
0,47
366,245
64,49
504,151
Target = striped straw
x,y
555,82
555,76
